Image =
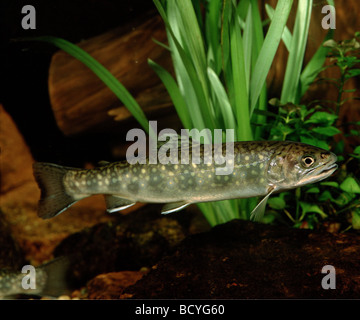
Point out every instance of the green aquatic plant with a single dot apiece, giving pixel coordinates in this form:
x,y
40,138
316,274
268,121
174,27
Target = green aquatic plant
x,y
221,59
345,56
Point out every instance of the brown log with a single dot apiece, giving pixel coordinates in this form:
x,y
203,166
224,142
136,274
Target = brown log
x,y
81,101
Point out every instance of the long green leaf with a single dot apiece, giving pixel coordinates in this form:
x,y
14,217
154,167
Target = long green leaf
x,y
224,103
113,84
239,81
248,46
286,36
315,65
174,93
290,91
268,50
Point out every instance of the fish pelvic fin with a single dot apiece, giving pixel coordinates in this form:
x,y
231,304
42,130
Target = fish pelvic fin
x,y
54,199
57,275
174,207
114,203
259,211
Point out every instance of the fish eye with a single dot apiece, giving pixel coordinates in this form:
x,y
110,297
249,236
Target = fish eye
x,y
308,161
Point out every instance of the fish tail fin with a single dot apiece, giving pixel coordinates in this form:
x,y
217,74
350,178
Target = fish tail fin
x,y
57,276
54,199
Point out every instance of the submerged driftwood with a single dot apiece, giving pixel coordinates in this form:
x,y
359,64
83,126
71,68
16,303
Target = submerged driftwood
x,y
81,101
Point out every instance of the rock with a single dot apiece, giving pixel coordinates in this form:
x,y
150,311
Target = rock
x,y
112,285
20,194
11,255
244,260
15,155
129,242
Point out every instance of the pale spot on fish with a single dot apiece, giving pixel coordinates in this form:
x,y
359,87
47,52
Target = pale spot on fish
x,y
171,174
99,176
247,158
143,171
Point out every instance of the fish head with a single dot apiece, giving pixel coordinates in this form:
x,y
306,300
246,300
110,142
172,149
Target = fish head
x,y
298,164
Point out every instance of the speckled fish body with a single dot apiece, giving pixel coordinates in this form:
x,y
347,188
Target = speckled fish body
x,y
259,169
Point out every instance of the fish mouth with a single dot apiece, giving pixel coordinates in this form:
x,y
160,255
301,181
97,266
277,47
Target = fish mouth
x,y
320,173
328,171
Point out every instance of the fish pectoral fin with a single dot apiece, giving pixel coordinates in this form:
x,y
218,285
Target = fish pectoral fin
x,y
114,203
174,206
258,212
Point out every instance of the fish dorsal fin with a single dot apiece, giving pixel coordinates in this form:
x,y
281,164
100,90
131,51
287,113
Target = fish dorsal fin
x,y
114,203
103,163
174,206
258,212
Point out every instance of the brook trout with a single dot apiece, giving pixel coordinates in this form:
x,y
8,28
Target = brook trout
x,y
260,168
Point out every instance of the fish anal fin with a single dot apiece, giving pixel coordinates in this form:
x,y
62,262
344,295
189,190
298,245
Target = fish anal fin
x,y
258,212
114,203
174,206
